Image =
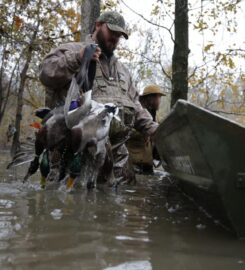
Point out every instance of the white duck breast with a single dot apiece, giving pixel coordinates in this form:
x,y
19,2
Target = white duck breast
x,y
95,126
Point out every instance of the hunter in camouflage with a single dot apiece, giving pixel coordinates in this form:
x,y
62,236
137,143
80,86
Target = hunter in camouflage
x,y
113,83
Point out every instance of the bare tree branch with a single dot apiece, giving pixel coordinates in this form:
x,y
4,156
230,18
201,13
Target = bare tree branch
x,y
151,61
149,21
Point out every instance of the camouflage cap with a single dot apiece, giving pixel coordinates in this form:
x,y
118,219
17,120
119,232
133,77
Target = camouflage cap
x,y
114,21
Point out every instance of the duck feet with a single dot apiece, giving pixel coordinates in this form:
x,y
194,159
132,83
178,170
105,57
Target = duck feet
x,y
70,183
43,182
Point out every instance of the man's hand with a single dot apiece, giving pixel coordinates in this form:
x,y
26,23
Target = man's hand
x,y
96,55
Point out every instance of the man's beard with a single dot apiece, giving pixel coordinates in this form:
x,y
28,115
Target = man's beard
x,y
102,44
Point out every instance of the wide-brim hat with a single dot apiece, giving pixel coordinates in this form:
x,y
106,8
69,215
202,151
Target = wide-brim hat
x,y
152,89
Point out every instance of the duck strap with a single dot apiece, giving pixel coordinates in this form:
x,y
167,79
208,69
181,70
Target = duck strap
x,y
86,73
82,82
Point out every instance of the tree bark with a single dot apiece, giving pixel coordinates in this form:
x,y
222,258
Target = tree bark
x,y
23,77
180,54
3,85
90,11
5,89
1,99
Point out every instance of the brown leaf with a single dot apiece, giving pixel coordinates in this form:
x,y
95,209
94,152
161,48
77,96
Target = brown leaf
x,y
17,22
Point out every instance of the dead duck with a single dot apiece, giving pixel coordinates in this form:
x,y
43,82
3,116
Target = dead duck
x,y
89,143
68,132
50,139
51,147
54,132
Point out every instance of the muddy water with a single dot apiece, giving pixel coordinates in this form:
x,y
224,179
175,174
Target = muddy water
x,y
147,226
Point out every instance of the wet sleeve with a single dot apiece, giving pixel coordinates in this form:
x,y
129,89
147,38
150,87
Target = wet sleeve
x,y
59,65
143,119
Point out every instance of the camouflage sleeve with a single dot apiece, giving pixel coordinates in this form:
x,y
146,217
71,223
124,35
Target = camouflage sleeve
x,y
59,65
143,120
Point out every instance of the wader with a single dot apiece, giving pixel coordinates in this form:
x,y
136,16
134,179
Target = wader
x,y
114,90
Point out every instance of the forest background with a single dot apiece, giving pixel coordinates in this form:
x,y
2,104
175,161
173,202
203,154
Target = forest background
x,y
205,38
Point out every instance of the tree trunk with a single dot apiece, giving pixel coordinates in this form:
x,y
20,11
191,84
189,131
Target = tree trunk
x,y
1,100
5,88
4,95
2,84
90,11
181,51
18,117
23,77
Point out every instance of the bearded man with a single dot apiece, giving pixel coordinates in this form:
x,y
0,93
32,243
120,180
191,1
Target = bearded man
x,y
112,83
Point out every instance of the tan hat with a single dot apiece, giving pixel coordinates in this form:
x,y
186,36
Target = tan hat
x,y
152,89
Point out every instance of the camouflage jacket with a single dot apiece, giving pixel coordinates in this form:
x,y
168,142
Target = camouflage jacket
x,y
60,64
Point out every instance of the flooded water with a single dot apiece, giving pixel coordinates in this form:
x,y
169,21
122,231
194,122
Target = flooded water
x,y
143,227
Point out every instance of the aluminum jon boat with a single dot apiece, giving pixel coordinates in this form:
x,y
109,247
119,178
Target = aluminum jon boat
x,y
205,152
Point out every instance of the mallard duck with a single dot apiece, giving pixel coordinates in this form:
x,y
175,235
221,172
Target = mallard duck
x,y
54,133
75,135
88,143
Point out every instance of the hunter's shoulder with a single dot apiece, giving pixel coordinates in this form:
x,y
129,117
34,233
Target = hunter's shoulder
x,y
73,46
76,46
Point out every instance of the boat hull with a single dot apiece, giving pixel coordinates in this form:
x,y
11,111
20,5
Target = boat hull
x,y
206,152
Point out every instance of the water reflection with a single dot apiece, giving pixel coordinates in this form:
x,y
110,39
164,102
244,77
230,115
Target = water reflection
x,y
149,226
138,265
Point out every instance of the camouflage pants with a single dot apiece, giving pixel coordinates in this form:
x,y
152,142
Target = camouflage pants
x,y
122,170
